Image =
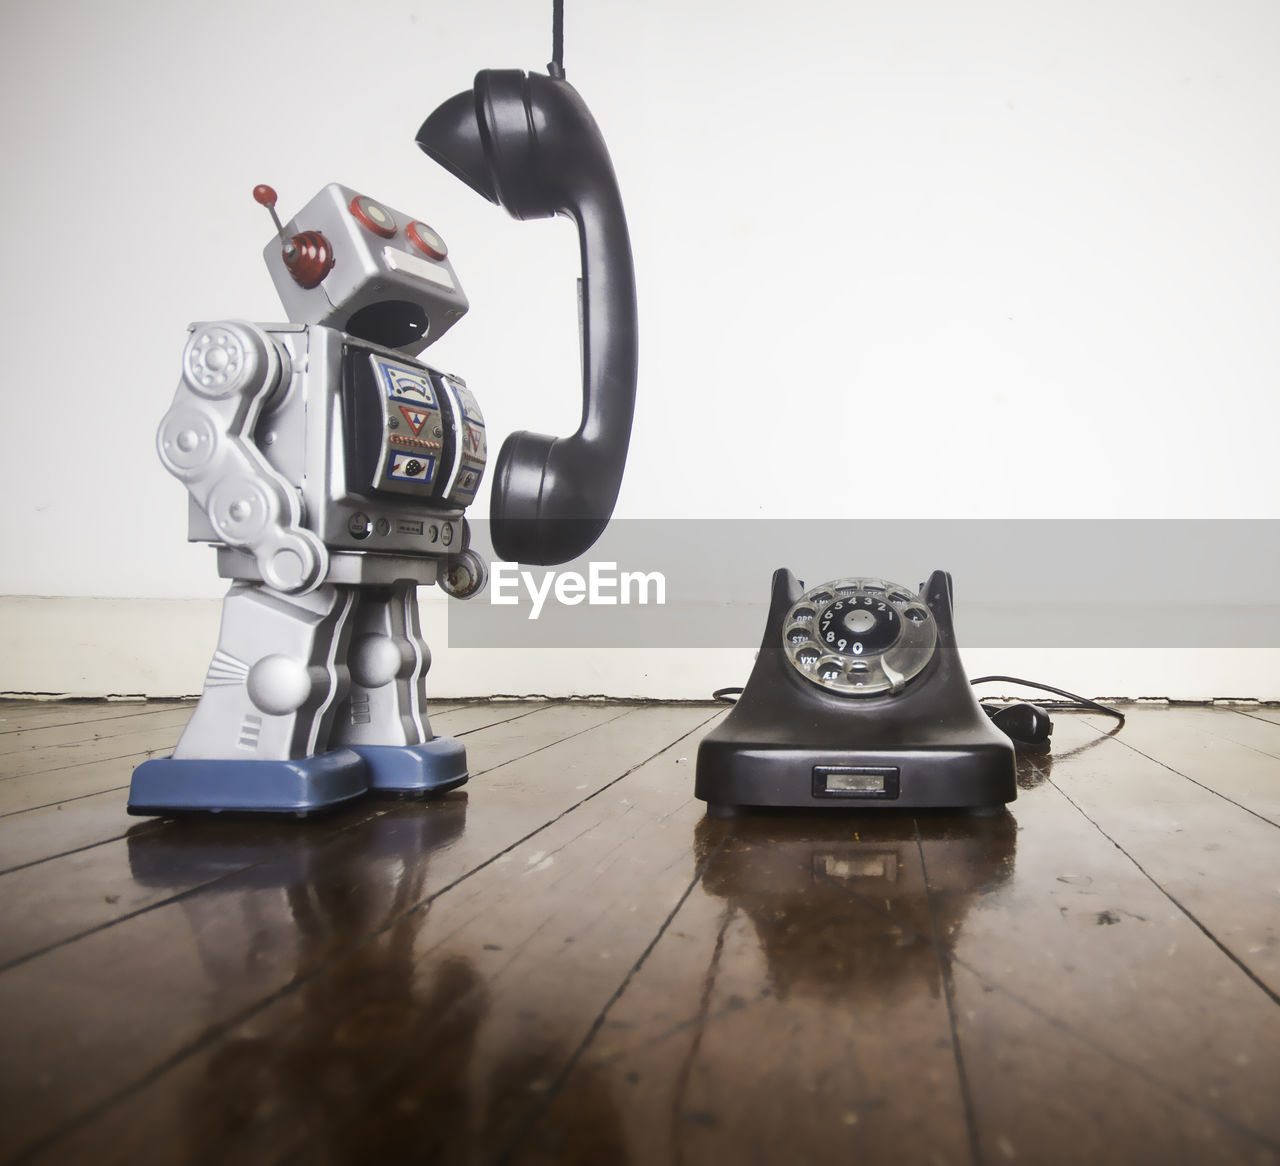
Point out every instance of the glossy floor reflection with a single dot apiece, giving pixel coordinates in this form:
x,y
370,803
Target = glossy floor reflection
x,y
566,961
799,997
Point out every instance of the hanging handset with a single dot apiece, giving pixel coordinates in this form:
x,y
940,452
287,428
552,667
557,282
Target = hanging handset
x,y
529,143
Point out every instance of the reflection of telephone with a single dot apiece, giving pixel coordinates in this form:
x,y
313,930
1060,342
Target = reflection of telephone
x,y
858,700
529,143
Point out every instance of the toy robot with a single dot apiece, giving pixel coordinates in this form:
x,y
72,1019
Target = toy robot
x,y
331,470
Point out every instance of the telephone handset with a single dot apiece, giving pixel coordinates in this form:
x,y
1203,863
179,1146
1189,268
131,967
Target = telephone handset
x,y
528,142
858,700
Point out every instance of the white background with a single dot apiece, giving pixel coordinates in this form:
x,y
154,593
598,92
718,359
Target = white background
x,y
922,259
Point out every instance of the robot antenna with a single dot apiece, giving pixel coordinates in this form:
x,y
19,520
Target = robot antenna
x,y
308,256
266,195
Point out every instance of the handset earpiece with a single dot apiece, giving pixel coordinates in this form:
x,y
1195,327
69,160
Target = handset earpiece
x,y
529,143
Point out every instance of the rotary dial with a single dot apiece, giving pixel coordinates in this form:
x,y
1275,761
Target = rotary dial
x,y
859,637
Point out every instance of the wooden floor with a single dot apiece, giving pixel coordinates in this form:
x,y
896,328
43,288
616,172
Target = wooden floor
x,y
565,961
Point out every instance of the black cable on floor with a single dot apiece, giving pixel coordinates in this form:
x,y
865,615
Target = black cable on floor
x,y
1078,701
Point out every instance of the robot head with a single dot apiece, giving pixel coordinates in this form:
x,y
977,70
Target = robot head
x,y
348,262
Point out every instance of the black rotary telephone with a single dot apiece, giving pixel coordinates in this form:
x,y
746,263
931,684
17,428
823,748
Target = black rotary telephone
x,y
858,700
529,143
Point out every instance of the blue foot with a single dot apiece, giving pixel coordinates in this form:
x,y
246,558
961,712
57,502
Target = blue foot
x,y
305,786
409,770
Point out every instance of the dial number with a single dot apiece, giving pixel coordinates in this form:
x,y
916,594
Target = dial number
x,y
858,624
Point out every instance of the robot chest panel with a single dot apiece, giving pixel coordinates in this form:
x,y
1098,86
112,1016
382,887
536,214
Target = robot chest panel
x,y
410,430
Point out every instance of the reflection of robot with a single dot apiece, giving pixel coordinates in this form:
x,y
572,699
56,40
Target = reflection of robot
x,y
331,470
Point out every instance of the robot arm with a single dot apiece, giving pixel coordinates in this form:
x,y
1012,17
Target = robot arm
x,y
230,371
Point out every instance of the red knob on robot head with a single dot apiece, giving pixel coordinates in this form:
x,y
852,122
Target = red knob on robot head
x,y
308,256
266,195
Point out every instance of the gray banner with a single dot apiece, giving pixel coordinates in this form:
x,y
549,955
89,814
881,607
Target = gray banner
x,y
704,583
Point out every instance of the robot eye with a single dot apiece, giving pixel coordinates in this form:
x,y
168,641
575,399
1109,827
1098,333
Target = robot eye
x,y
374,216
426,240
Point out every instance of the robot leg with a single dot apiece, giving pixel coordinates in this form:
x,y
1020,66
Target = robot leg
x,y
258,737
385,717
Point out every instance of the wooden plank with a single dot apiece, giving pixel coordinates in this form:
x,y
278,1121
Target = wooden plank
x,y
1265,712
57,902
1043,1021
44,716
560,963
1092,1013
52,902
792,1011
459,720
56,739
22,715
98,1019
14,705
518,962
146,741
1236,756
1243,724
34,835
1218,861
1049,1090
60,786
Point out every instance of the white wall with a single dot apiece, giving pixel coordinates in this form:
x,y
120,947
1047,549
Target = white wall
x,y
1037,241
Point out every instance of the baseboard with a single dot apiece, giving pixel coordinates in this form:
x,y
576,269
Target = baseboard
x,y
97,647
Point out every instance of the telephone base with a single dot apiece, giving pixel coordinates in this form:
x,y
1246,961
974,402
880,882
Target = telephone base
x,y
791,741
734,773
